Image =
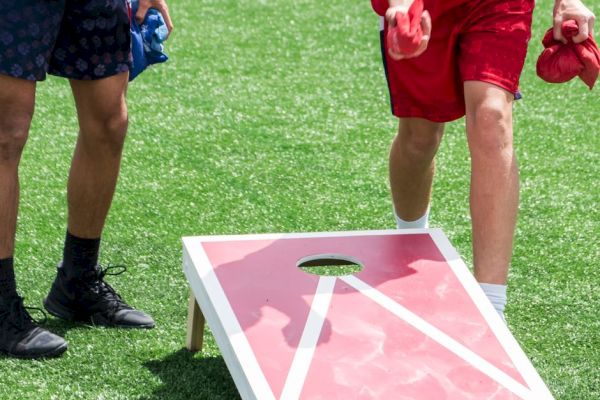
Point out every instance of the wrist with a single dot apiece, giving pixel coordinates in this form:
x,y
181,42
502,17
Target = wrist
x,y
403,3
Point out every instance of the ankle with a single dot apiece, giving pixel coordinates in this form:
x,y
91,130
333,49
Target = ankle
x,y
419,223
496,294
80,254
8,284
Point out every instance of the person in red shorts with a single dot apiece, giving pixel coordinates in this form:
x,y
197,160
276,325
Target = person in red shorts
x,y
468,64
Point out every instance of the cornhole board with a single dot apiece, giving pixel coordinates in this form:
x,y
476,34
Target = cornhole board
x,y
412,324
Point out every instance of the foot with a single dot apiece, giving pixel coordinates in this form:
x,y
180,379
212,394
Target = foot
x,y
21,337
89,299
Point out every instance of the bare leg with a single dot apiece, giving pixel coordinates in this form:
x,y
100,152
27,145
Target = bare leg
x,y
412,166
17,99
494,179
102,114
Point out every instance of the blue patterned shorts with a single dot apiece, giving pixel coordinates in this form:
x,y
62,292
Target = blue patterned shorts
x,y
75,39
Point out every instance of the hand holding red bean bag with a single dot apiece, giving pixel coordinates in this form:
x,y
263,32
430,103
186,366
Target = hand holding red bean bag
x,y
406,35
561,62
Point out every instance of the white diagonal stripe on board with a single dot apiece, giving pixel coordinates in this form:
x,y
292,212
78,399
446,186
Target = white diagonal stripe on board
x,y
310,337
498,327
440,337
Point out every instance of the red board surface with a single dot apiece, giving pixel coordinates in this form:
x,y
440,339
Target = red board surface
x,y
412,324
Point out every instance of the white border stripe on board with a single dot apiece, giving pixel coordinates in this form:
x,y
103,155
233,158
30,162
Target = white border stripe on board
x,y
235,334
310,337
440,337
277,236
505,338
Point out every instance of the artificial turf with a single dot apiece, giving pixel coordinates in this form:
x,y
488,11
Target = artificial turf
x,y
272,116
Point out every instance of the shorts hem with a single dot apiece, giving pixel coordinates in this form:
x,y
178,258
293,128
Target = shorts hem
x,y
441,118
87,77
494,80
25,78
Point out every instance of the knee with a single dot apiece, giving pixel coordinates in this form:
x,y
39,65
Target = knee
x,y
490,129
14,130
115,126
106,131
419,138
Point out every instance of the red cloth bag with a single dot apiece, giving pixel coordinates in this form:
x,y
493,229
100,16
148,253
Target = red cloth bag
x,y
405,37
560,62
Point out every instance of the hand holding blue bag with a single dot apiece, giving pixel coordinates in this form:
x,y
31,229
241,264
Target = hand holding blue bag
x,y
147,40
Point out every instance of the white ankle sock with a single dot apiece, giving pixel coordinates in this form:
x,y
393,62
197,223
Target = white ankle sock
x,y
496,295
422,222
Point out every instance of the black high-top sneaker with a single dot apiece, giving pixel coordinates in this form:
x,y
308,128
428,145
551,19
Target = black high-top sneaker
x,y
86,297
21,337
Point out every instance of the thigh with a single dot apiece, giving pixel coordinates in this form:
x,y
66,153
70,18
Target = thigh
x,y
28,31
94,40
493,43
17,99
100,101
421,127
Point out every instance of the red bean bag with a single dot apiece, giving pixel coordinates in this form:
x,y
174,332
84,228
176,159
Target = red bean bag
x,y
405,37
560,62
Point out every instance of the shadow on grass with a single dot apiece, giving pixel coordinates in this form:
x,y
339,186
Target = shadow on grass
x,y
61,327
185,375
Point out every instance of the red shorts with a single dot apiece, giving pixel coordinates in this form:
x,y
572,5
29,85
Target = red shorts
x,y
480,40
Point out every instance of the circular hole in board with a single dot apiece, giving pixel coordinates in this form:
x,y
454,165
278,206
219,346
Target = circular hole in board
x,y
330,265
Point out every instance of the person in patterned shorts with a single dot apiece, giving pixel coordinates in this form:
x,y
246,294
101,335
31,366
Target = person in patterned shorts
x,y
87,42
468,64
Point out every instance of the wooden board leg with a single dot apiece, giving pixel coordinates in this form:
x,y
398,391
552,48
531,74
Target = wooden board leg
x,y
195,326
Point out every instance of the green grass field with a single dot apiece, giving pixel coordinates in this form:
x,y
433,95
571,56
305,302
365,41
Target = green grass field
x,y
272,116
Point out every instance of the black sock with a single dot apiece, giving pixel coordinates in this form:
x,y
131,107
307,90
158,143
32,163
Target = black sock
x,y
80,254
8,285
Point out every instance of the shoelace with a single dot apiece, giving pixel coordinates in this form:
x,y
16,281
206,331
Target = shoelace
x,y
107,294
21,318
